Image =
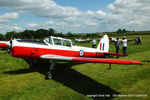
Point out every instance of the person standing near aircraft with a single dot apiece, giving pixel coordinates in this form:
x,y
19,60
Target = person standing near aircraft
x,y
117,45
136,41
124,45
139,40
93,43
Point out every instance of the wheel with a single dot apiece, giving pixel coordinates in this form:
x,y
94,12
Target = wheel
x,y
49,75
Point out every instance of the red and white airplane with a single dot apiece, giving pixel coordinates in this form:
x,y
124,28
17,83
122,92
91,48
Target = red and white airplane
x,y
114,39
60,49
4,44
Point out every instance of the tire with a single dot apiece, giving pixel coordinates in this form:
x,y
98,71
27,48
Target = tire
x,y
49,75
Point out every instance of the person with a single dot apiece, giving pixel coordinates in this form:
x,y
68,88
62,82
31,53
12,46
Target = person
x,y
124,45
93,43
136,41
139,40
117,45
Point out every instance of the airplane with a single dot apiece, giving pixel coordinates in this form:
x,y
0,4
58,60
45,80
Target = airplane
x,y
82,40
4,44
113,39
60,49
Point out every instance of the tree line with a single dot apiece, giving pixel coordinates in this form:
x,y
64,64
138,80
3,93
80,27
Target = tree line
x,y
42,33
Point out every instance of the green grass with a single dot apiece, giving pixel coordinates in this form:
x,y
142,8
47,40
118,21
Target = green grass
x,y
73,81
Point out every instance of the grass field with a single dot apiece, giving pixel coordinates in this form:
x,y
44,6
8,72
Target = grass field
x,y
74,81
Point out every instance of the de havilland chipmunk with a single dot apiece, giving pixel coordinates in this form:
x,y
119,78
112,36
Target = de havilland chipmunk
x,y
59,49
82,40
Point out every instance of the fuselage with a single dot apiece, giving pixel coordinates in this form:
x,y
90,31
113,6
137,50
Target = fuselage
x,y
35,50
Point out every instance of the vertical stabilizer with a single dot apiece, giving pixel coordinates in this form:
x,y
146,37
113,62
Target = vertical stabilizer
x,y
103,45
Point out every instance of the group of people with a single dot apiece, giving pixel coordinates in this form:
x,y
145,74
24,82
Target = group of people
x,y
117,45
124,45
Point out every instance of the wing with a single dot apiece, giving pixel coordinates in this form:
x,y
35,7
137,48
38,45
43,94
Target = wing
x,y
130,40
89,60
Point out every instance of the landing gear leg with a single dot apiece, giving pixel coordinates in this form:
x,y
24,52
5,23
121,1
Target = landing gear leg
x,y
33,64
109,66
50,73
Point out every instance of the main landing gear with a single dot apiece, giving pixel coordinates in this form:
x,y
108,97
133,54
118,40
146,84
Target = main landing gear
x,y
50,73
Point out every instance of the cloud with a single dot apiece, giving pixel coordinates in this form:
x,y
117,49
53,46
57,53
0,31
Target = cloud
x,y
7,28
33,25
42,8
131,13
5,18
128,14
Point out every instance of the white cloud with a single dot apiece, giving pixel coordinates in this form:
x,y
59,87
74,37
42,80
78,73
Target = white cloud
x,y
5,18
33,25
42,8
15,27
101,13
129,14
7,28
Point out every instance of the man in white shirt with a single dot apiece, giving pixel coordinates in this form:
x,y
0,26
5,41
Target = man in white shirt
x,y
93,43
124,45
117,45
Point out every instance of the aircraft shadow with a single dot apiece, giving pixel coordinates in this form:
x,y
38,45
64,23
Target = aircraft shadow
x,y
74,80
146,61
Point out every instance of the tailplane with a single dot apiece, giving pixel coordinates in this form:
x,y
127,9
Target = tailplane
x,y
103,45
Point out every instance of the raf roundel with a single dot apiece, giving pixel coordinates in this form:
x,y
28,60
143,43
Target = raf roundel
x,y
81,53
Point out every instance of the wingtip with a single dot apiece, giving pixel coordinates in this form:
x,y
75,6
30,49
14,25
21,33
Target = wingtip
x,y
138,63
142,63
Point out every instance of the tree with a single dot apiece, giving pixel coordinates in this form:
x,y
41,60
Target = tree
x,y
51,32
10,35
124,31
27,34
2,37
69,34
119,31
40,33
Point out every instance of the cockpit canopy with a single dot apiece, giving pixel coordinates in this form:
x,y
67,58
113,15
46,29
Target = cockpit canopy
x,y
51,40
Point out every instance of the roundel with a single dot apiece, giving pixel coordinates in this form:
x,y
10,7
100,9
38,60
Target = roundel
x,y
81,53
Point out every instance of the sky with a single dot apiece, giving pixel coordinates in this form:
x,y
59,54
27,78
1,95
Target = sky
x,y
76,16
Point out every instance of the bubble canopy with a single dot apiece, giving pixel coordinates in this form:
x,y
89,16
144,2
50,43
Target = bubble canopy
x,y
51,40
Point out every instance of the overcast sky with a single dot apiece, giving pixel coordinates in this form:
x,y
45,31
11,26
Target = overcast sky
x,y
76,16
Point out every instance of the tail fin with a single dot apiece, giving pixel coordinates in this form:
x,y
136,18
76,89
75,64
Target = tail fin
x,y
103,45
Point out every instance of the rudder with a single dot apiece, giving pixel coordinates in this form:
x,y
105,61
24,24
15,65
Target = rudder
x,y
103,45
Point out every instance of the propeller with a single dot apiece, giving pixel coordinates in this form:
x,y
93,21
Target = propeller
x,y
9,43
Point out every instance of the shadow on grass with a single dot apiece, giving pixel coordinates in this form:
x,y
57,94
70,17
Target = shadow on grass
x,y
74,80
146,61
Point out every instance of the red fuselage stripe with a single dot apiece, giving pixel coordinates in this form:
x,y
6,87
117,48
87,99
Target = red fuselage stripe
x,y
32,53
